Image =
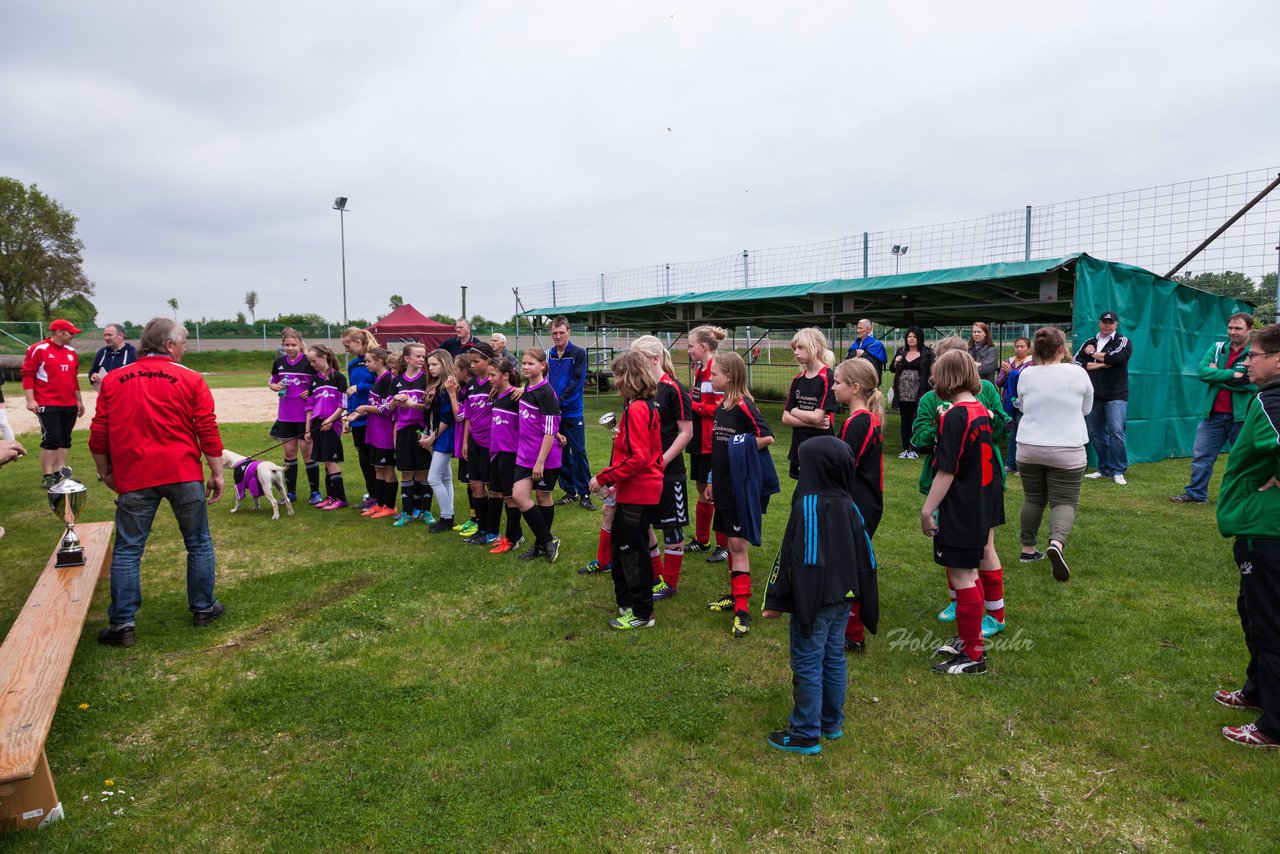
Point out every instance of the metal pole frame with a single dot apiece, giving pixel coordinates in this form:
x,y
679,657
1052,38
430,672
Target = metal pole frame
x,y
342,234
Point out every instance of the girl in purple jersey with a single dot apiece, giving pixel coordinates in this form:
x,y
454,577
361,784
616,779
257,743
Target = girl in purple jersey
x,y
380,434
290,376
439,440
414,462
457,389
479,427
504,376
538,454
326,398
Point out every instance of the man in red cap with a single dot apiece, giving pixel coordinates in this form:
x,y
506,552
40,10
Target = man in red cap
x,y
51,383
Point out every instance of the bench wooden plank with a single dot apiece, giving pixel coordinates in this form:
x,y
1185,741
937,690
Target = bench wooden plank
x,y
36,654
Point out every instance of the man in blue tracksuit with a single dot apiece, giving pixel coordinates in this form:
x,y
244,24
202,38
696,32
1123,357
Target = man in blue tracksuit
x,y
567,373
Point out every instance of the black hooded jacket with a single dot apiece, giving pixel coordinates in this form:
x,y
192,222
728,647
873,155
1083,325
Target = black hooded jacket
x,y
826,557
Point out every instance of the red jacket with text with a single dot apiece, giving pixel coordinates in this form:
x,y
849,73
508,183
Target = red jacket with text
x,y
155,420
50,370
636,467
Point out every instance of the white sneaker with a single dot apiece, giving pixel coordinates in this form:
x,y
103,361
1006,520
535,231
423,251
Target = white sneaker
x,y
905,455
1120,480
1094,475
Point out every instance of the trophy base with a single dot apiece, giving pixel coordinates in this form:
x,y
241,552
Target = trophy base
x,y
70,558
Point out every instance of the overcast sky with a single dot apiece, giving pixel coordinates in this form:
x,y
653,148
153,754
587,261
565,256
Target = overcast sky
x,y
503,144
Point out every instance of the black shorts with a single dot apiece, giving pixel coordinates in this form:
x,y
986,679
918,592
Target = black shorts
x,y
382,458
286,430
477,462
672,509
547,483
410,456
502,473
326,446
699,467
726,521
954,557
56,424
464,471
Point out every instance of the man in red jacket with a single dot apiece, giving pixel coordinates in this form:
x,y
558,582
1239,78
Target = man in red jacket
x,y
154,421
51,384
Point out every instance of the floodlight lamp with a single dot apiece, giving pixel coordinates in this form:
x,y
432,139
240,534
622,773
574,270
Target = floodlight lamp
x,y
904,251
896,250
340,203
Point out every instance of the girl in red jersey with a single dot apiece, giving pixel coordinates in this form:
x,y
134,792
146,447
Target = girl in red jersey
x,y
635,473
326,398
968,499
290,376
736,415
380,434
811,402
855,386
704,400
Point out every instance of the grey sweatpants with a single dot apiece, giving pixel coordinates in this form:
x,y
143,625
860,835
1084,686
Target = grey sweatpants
x,y
1059,489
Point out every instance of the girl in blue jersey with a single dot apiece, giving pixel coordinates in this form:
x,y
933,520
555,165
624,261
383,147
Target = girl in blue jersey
x,y
380,434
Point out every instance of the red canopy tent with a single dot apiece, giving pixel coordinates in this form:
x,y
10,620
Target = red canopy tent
x,y
406,323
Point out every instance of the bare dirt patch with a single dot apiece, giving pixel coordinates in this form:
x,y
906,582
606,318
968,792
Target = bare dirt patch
x,y
232,405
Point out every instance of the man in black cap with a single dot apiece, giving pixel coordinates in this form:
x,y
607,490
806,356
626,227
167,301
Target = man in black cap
x,y
1106,357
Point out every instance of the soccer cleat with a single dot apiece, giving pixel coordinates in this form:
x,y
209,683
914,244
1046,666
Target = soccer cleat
x,y
792,743
628,620
370,510
720,555
490,539
724,603
416,514
314,499
1235,700
535,551
324,504
1060,569
479,538
948,614
468,528
336,504
384,513
566,500
1031,557
123,636
552,550
500,546
402,519
991,626
442,525
293,497
696,546
365,504
955,646
663,590
1187,498
961,665
587,504
741,624
1120,481
1249,736
427,517
855,646
50,480
593,567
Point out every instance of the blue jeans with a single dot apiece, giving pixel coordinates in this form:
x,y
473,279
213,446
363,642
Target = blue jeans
x,y
575,471
1011,459
1106,432
818,673
135,511
1213,434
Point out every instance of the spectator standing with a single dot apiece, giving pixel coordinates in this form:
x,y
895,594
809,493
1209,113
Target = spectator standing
x,y
154,421
1106,357
867,346
6,431
116,354
983,351
1249,510
498,342
567,373
911,367
1007,382
51,384
462,339
1226,402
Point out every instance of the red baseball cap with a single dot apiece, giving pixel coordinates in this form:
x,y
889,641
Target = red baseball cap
x,y
63,326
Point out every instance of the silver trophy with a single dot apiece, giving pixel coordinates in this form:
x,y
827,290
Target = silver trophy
x,y
609,421
67,498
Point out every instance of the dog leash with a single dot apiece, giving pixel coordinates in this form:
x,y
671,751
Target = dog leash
x,y
305,435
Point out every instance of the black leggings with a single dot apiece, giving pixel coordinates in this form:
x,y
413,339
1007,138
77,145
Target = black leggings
x,y
366,462
908,412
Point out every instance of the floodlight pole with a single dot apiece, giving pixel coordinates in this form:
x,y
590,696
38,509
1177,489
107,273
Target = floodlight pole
x,y
340,205
1278,283
464,303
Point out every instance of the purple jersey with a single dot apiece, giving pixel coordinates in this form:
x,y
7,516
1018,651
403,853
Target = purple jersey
x,y
539,416
326,394
379,431
506,424
415,388
296,375
480,411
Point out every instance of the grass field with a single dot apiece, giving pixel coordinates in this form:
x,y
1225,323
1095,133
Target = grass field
x,y
381,689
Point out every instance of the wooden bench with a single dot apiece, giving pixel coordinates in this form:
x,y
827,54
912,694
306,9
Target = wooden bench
x,y
34,661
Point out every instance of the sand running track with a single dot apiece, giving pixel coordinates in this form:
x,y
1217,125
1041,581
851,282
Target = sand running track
x,y
232,405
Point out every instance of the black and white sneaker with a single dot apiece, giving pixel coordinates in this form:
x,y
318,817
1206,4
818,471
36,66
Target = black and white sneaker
x,y
1060,569
566,500
695,547
955,646
720,555
961,665
535,551
551,550
1026,557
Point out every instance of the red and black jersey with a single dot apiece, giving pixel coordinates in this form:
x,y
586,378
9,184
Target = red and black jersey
x,y
743,418
704,400
808,394
975,503
673,407
863,433
49,370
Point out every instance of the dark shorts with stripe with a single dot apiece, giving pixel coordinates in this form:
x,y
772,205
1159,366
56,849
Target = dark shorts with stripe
x,y
547,483
954,557
410,456
477,462
672,509
56,424
326,446
502,473
382,458
700,467
286,430
726,521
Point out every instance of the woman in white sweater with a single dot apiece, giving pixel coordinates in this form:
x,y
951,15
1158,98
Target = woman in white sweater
x,y
1054,395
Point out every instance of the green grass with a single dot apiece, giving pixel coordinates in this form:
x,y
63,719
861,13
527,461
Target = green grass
x,y
383,689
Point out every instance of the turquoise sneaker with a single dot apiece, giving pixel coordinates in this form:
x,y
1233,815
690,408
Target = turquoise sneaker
x,y
427,517
991,626
948,614
832,736
402,519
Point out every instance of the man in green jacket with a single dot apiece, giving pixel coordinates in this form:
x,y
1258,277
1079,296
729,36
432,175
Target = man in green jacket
x,y
1249,510
1225,402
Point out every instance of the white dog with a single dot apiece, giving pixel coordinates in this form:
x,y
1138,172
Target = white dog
x,y
269,477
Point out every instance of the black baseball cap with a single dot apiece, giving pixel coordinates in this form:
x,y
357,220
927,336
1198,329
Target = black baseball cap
x,y
1109,317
